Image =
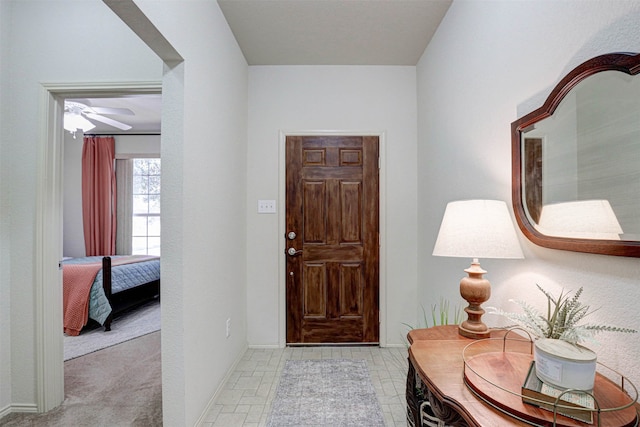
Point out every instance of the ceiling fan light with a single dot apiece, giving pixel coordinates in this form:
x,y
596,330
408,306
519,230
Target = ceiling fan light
x,y
73,122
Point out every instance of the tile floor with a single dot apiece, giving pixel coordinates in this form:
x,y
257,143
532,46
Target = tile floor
x,y
246,399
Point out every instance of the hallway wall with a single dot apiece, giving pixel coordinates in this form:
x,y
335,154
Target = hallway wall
x,y
325,98
489,63
42,51
5,224
204,179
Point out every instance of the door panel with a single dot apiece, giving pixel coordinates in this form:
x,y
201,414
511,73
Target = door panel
x,y
350,221
315,202
351,290
332,206
315,290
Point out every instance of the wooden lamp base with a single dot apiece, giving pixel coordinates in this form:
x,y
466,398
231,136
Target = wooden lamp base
x,y
475,290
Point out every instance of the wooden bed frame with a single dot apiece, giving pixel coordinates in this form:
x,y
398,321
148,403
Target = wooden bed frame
x,y
127,299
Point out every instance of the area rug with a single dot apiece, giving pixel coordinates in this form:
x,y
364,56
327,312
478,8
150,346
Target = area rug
x,y
325,393
129,325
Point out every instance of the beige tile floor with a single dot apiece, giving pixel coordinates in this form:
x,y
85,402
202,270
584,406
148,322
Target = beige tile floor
x,y
246,398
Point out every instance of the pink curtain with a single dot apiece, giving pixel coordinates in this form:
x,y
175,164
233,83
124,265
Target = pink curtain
x,y
99,195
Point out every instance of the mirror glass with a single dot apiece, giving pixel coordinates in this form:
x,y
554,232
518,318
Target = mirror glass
x,y
578,162
582,177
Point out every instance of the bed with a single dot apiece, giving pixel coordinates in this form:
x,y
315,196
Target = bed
x,y
97,288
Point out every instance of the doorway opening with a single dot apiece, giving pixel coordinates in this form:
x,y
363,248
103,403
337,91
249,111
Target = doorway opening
x,y
49,229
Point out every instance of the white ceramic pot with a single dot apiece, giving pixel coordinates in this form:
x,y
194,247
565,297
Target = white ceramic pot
x,y
564,365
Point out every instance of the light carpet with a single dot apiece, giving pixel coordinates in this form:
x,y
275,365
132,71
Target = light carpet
x,y
325,393
127,326
119,386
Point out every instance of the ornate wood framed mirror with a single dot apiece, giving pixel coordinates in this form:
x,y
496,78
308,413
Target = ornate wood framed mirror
x,y
576,161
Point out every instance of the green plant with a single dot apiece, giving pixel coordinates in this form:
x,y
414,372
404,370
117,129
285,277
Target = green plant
x,y
562,320
439,315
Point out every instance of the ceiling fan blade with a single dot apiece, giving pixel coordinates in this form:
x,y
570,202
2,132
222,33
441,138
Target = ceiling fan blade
x,y
108,121
116,111
74,107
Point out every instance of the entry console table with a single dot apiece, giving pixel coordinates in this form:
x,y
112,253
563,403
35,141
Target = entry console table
x,y
436,387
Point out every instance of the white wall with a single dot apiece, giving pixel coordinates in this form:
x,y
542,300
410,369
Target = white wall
x,y
488,64
301,98
5,230
472,84
204,140
126,145
50,41
204,179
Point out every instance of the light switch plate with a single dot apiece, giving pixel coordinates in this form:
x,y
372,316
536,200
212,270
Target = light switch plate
x,y
266,206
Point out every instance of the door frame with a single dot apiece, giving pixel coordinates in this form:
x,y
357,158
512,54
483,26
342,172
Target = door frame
x,y
48,228
282,191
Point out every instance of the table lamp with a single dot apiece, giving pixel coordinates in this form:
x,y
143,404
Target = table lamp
x,y
581,219
476,229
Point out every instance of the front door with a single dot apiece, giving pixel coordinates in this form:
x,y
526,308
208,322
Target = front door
x,y
332,250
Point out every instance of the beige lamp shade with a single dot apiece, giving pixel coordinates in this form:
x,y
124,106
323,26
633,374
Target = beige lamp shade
x,y
582,219
477,229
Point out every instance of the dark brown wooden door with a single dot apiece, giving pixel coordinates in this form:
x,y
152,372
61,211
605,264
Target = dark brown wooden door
x,y
332,207
533,177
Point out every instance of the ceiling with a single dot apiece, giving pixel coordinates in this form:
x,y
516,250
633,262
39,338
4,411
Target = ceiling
x,y
146,113
333,32
307,32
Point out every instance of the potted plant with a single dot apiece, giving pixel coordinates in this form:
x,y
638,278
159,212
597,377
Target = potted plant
x,y
560,358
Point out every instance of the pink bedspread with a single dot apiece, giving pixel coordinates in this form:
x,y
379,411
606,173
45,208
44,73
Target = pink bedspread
x,y
76,285
77,280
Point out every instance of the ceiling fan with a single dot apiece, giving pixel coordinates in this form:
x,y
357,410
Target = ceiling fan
x,y
78,114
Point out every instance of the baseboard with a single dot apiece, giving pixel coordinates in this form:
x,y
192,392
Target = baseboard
x,y
264,346
29,408
276,346
394,346
201,420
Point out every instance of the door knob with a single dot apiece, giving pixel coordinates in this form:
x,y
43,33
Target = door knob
x,y
291,235
293,252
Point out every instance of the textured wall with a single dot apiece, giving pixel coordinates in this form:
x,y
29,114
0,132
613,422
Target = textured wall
x,y
42,51
5,288
489,63
203,188
323,98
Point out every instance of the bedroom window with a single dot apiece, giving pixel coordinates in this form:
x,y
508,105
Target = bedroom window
x,y
145,237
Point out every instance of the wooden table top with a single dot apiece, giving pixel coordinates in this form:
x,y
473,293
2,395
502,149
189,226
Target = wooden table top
x,y
437,355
